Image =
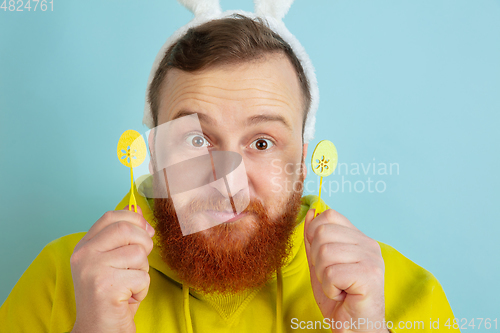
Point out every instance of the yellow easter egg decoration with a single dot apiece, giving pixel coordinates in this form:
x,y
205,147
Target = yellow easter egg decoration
x,y
131,149
324,158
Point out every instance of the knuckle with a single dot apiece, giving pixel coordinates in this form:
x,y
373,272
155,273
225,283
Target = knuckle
x,y
133,258
329,290
77,257
150,245
320,232
376,270
142,221
141,253
123,228
329,273
330,214
145,278
139,258
108,216
323,250
74,259
139,221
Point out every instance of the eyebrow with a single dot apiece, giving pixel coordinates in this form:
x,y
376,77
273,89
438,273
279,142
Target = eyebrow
x,y
254,120
201,116
268,117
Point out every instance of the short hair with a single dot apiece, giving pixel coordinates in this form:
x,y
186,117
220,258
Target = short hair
x,y
230,40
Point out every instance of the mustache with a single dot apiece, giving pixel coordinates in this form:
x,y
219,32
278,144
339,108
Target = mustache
x,y
219,203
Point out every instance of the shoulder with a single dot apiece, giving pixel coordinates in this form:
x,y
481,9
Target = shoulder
x,y
410,288
401,268
62,247
66,242
55,257
47,284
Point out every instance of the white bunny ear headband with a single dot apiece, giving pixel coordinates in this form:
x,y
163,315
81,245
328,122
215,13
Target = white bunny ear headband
x,y
272,11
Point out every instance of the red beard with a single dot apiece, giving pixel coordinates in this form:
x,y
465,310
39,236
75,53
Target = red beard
x,y
230,257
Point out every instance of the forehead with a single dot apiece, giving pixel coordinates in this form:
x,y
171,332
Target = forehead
x,y
269,84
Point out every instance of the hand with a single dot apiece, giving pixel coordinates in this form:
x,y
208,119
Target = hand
x,y
347,272
110,272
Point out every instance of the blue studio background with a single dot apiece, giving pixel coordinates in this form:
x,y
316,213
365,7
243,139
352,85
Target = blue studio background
x,y
412,83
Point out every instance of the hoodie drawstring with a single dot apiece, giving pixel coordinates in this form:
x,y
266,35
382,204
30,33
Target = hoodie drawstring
x,y
279,300
279,303
187,313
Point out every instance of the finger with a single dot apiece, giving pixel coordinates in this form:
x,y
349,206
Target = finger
x,y
140,294
111,217
335,233
307,244
328,216
139,210
120,234
135,284
127,257
350,278
315,284
329,254
307,222
149,227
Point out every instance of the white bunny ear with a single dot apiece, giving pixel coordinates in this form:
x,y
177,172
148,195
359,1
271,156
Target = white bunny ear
x,y
202,7
274,8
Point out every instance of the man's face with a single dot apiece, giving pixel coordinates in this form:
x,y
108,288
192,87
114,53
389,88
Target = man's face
x,y
254,109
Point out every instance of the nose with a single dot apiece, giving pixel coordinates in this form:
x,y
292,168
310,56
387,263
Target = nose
x,y
222,170
230,173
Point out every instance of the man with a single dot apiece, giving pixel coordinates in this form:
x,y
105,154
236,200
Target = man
x,y
273,267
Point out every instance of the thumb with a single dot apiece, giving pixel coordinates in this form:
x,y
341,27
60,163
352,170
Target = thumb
x,y
315,284
308,239
307,221
149,227
139,210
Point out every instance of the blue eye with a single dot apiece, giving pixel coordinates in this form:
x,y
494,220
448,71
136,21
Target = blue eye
x,y
197,141
262,144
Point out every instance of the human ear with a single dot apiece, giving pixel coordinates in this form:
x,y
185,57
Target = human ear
x,y
151,136
304,155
